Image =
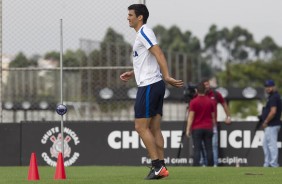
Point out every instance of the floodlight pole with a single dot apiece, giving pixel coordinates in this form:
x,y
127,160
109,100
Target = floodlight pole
x,y
61,83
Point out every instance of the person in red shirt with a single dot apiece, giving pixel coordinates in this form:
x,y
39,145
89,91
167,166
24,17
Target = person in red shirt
x,y
200,123
216,98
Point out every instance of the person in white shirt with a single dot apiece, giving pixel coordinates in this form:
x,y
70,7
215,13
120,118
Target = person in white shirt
x,y
150,71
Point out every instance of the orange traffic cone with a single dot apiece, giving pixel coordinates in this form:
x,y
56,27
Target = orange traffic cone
x,y
33,169
60,169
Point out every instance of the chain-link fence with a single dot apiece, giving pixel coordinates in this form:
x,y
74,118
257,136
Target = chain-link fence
x,y
94,57
1,118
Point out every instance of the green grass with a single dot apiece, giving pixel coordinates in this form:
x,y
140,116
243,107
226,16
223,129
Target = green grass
x,y
135,175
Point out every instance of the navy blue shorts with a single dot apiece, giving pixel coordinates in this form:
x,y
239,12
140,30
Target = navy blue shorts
x,y
149,100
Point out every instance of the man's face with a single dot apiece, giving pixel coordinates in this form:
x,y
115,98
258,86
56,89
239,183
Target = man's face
x,y
132,19
269,89
207,85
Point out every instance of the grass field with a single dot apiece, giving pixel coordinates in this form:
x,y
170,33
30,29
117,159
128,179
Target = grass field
x,y
135,175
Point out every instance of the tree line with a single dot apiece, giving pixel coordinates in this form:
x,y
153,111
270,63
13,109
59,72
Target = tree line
x,y
232,55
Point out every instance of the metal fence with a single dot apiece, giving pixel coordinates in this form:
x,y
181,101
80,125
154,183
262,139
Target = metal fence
x,y
92,90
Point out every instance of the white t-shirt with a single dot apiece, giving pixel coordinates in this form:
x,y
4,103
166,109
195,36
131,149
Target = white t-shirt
x,y
146,67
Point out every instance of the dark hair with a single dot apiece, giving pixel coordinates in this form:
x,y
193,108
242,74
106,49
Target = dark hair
x,y
201,88
140,9
206,79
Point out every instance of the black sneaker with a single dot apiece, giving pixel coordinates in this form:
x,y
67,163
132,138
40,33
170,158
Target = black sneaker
x,y
157,174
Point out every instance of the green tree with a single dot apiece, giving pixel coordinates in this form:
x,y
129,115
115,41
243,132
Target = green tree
x,y
253,74
211,41
112,51
277,55
159,31
53,55
112,36
94,58
243,109
226,46
183,48
25,79
20,61
268,47
71,59
33,61
82,57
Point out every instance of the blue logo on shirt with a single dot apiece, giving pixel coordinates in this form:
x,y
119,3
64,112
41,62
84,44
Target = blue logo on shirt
x,y
135,54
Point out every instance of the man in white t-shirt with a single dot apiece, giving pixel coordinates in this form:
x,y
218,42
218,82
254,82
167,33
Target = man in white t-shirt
x,y
150,69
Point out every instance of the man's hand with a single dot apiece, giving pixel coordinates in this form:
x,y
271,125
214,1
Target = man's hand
x,y
228,120
188,133
264,125
174,82
158,53
126,76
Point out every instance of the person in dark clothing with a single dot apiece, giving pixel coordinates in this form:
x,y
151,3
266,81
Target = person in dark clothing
x,y
271,115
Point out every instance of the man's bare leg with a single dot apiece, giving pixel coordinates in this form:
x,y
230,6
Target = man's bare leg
x,y
155,127
142,128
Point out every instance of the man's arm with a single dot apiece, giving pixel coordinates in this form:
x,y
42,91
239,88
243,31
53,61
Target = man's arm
x,y
269,117
221,100
227,112
189,122
157,52
213,119
126,76
214,123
